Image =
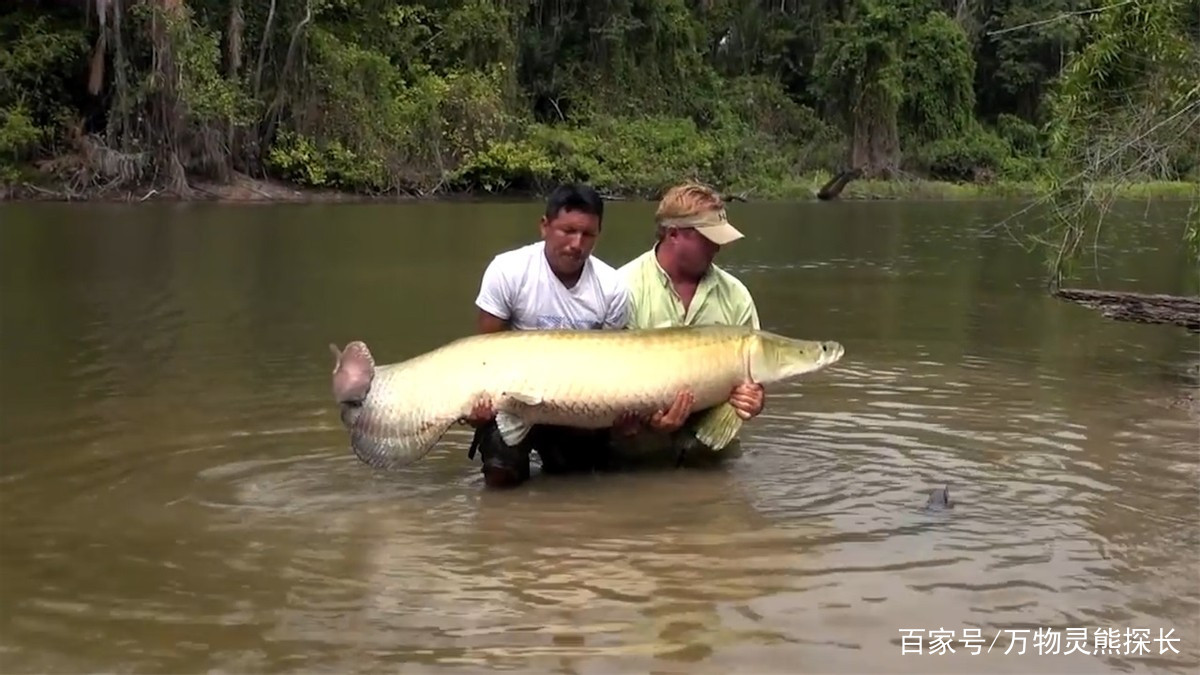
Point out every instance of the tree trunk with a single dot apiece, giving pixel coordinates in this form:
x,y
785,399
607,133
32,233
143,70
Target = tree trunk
x,y
235,37
875,147
166,109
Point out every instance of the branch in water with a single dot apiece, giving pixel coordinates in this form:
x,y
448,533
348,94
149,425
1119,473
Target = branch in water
x,y
1138,307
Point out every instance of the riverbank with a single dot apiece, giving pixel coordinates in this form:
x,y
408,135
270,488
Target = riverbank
x,y
245,189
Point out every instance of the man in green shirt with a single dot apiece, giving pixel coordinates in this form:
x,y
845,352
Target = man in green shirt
x,y
675,283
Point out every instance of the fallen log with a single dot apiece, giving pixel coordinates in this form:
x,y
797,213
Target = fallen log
x,y
1137,307
834,187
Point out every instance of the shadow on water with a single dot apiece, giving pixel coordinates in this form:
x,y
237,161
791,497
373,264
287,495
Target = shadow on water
x,y
177,494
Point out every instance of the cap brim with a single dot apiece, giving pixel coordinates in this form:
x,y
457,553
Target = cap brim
x,y
720,234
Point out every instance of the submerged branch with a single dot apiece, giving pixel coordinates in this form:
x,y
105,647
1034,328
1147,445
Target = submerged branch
x,y
1137,307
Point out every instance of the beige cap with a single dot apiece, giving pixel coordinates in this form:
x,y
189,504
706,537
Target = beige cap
x,y
714,225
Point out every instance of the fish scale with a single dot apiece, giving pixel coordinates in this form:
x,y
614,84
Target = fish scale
x,y
396,413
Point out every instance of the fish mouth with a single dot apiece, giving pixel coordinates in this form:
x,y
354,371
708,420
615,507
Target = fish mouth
x,y
831,352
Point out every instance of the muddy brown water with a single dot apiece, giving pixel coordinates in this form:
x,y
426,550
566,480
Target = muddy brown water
x,y
178,496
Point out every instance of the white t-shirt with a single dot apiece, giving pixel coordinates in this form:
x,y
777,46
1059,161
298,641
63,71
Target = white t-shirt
x,y
519,287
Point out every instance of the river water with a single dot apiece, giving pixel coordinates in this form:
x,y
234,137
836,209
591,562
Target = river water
x,y
178,495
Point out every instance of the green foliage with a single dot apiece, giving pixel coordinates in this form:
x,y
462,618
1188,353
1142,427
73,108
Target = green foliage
x,y
506,165
977,155
1023,137
327,164
18,135
939,96
860,61
1126,109
1021,47
645,155
1139,54
642,155
892,71
378,96
38,54
1191,234
208,96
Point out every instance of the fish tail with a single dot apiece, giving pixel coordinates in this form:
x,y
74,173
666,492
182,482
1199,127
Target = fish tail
x,y
353,372
718,426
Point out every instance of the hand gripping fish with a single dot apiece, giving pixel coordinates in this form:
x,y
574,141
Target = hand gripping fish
x,y
396,413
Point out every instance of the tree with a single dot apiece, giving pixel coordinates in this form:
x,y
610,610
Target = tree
x,y
1126,108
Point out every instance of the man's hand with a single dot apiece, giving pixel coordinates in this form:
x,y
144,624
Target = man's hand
x,y
481,414
673,418
627,424
747,399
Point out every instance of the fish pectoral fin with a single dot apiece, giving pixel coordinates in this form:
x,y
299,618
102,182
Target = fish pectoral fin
x,y
524,398
513,429
718,426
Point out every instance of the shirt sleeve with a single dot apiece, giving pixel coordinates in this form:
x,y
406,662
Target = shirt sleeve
x,y
749,315
617,315
495,291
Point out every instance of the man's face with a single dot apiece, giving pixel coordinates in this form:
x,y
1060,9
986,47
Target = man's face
x,y
570,237
693,251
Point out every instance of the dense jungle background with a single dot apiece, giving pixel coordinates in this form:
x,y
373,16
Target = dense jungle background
x,y
766,98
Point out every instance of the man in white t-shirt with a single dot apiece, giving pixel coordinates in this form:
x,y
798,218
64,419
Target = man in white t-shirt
x,y
554,283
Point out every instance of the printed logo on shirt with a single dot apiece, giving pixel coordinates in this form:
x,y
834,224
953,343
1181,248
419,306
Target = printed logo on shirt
x,y
550,322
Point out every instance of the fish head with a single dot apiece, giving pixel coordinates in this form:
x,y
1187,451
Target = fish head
x,y
776,357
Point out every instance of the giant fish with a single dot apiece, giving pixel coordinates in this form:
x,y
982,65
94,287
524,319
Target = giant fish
x,y
397,412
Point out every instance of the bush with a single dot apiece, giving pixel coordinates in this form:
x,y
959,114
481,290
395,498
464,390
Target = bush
x,y
1023,168
505,165
1023,137
642,155
325,164
966,158
18,137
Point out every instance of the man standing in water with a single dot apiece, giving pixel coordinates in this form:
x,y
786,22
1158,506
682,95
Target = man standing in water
x,y
676,283
553,283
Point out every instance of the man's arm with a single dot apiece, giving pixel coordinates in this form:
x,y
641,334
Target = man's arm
x,y
495,299
490,323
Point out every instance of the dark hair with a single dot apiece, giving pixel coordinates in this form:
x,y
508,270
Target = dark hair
x,y
574,197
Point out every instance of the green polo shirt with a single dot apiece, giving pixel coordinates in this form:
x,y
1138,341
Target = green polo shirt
x,y
720,298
